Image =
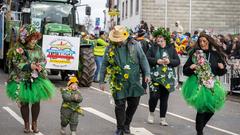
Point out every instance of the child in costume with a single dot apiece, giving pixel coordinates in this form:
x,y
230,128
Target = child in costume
x,y
28,83
70,108
202,90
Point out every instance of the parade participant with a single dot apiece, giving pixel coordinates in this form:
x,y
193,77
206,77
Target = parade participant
x,y
162,58
28,83
145,44
122,62
202,90
70,108
179,28
98,51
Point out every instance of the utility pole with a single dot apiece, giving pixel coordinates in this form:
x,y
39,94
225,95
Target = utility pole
x,y
190,16
166,11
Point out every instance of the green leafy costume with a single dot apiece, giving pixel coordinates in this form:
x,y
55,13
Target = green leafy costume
x,y
70,108
24,84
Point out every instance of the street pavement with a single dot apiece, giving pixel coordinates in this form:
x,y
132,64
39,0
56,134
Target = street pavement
x,y
99,116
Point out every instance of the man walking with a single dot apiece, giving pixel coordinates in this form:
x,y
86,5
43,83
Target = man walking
x,y
122,62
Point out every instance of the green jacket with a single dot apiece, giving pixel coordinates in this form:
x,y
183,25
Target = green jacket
x,y
69,100
129,54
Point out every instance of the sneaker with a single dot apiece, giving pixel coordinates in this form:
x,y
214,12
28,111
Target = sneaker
x,y
119,132
127,129
151,117
63,131
163,122
73,133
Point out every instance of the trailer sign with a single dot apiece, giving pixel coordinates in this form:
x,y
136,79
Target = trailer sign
x,y
61,52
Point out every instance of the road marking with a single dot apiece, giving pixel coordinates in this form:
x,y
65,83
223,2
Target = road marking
x,y
18,118
135,131
178,116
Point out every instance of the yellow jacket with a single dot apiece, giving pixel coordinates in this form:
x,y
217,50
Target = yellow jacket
x,y
100,47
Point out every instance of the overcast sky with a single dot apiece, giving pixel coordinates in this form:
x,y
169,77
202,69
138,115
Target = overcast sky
x,y
97,7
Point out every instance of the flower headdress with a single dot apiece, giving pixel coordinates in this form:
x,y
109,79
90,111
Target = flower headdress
x,y
27,33
162,32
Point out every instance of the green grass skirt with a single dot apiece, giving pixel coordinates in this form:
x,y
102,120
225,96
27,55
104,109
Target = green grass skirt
x,y
40,89
202,98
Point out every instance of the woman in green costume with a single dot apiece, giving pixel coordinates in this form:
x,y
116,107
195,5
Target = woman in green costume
x,y
202,90
28,83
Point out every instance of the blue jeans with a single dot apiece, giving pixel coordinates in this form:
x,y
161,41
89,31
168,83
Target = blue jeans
x,y
98,60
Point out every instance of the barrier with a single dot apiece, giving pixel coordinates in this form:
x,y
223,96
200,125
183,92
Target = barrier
x,y
231,80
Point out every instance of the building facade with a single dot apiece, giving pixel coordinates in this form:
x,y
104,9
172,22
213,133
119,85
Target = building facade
x,y
218,16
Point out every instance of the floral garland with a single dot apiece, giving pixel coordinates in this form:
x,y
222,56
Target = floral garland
x,y
163,76
203,70
115,73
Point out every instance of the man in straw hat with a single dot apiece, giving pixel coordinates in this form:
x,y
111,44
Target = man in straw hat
x,y
122,62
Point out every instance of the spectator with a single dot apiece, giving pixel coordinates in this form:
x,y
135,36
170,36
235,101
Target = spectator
x,y
98,51
179,28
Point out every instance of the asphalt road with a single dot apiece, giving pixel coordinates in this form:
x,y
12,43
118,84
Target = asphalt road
x,y
99,116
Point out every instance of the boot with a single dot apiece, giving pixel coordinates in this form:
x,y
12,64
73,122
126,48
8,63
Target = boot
x,y
63,131
163,122
151,117
73,133
34,127
26,127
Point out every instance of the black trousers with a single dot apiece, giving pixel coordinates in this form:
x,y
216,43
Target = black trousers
x,y
201,121
124,115
162,94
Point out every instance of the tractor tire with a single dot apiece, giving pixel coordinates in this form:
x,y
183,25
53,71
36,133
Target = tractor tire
x,y
86,67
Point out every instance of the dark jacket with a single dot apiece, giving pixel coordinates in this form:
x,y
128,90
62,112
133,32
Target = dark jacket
x,y
145,44
173,56
213,60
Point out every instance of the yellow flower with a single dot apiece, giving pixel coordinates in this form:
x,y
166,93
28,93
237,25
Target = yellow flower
x,y
168,86
155,84
111,54
109,71
126,76
164,69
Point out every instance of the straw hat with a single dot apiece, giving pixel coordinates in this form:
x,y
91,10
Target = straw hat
x,y
118,34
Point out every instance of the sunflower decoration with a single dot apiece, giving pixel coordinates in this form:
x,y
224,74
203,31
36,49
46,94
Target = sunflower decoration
x,y
111,54
163,32
125,34
168,86
126,76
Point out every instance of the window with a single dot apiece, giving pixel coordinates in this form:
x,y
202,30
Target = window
x,y
131,8
126,8
137,7
122,10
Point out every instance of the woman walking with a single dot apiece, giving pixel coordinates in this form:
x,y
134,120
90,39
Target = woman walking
x,y
162,58
28,83
202,90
